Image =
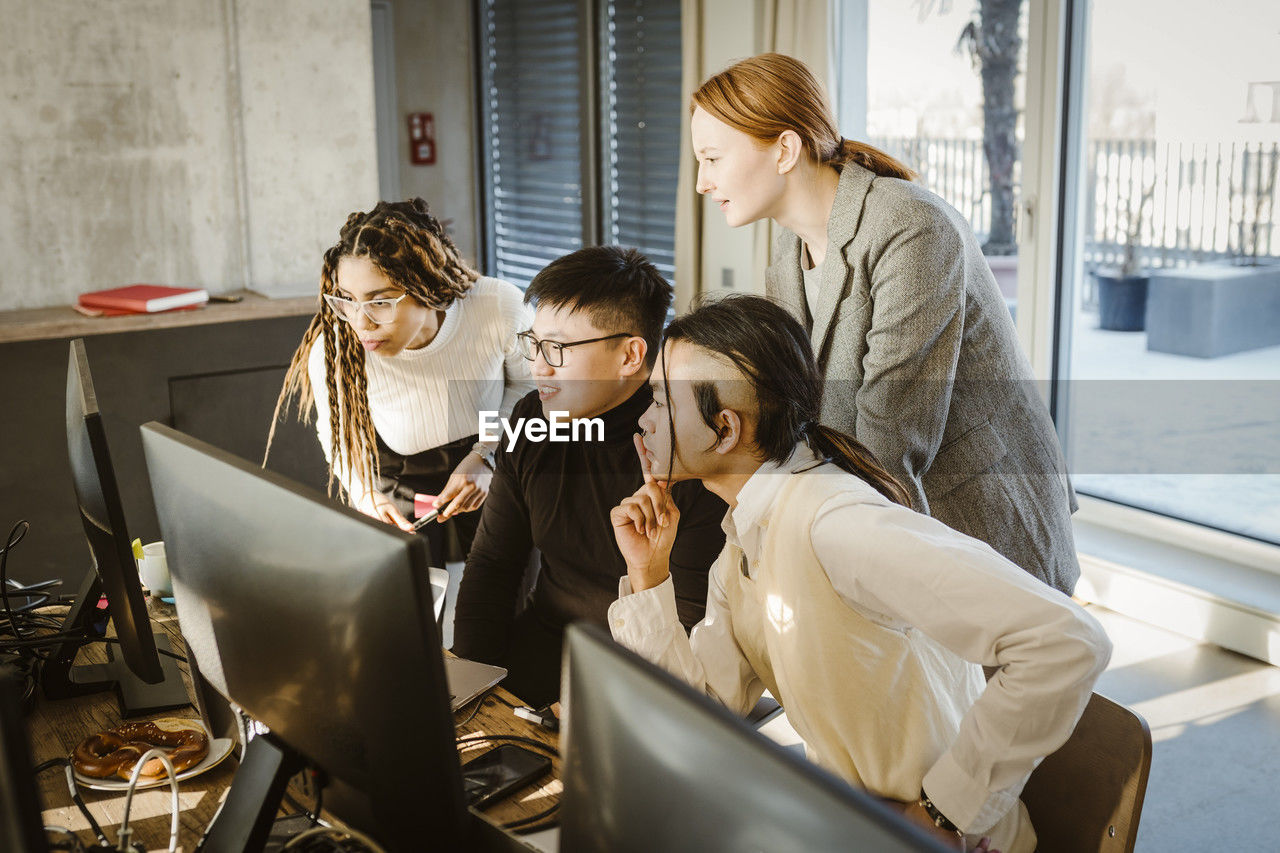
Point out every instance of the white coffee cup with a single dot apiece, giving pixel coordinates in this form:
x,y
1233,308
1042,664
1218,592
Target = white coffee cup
x,y
153,569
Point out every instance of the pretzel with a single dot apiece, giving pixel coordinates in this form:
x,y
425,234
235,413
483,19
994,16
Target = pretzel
x,y
115,752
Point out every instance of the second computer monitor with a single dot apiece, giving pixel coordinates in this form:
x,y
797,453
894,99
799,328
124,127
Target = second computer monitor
x,y
651,765
317,620
139,668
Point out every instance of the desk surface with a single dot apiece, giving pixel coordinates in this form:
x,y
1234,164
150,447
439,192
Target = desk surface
x,y
57,726
63,321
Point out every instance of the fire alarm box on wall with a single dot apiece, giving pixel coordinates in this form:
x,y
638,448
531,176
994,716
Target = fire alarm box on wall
x,y
422,139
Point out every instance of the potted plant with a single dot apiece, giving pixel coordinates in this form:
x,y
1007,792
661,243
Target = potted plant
x,y
1122,291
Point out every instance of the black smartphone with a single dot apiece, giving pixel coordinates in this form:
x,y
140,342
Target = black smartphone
x,y
499,772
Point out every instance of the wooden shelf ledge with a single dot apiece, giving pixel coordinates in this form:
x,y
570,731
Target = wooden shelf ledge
x,y
63,321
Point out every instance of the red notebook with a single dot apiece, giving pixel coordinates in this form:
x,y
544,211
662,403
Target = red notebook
x,y
144,298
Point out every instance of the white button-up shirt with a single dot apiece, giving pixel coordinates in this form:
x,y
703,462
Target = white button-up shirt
x,y
906,572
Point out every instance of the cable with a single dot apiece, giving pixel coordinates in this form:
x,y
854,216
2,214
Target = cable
x,y
309,835
116,641
483,696
467,740
72,844
122,837
56,639
533,823
13,539
504,701
74,789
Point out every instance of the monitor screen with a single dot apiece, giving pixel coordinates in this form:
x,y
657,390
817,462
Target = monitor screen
x,y
145,681
650,764
20,824
317,621
103,518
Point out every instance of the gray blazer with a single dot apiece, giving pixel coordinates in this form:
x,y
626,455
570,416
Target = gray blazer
x,y
922,365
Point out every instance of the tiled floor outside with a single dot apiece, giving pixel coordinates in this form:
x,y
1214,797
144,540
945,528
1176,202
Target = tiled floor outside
x,y
1195,438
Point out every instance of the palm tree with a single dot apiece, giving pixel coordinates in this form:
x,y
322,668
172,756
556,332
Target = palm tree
x,y
993,42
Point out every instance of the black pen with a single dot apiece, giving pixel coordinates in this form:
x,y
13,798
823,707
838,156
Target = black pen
x,y
429,517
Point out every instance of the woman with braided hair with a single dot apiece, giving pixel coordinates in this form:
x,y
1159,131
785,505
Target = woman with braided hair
x,y
408,346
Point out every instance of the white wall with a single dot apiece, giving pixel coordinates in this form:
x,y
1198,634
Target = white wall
x,y
179,141
435,73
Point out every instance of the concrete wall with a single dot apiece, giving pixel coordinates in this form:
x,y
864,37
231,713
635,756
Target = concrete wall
x,y
179,141
435,73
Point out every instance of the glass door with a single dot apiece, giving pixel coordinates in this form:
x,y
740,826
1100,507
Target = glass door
x,y
1168,354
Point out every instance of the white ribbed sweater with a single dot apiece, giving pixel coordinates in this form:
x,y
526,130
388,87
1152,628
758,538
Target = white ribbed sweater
x,y
423,398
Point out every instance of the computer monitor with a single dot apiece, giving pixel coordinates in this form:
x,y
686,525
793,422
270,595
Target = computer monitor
x,y
145,680
650,764
317,621
21,829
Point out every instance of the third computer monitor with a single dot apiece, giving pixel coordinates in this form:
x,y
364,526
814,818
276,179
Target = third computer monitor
x,y
649,764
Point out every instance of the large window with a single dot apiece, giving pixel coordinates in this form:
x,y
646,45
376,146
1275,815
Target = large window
x,y
581,129
1166,394
1169,329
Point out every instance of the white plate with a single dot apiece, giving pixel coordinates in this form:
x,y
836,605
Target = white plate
x,y
219,748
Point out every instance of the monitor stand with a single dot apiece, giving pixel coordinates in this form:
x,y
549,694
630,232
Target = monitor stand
x,y
60,679
244,822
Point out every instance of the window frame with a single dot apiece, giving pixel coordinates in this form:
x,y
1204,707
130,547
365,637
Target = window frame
x,y
1051,221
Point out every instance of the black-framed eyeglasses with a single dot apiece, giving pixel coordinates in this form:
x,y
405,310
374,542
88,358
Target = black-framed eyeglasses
x,y
553,351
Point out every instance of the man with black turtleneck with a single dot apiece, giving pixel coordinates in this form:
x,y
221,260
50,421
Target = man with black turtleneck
x,y
597,326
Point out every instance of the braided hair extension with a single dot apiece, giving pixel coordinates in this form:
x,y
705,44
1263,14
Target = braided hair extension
x,y
409,246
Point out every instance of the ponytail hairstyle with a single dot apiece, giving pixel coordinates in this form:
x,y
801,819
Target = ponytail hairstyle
x,y
410,247
771,93
772,352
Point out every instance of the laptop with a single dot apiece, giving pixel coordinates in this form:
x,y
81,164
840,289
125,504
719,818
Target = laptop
x,y
468,679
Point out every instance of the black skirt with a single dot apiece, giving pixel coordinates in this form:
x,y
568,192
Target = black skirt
x,y
400,477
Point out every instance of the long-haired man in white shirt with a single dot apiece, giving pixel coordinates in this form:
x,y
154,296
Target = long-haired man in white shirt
x,y
867,621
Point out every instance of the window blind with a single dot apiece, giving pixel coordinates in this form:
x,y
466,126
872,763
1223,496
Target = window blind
x,y
642,126
531,73
536,115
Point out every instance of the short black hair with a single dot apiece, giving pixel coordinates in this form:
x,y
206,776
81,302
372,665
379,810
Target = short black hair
x,y
618,288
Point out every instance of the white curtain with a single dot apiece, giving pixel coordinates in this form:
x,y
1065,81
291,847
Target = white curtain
x,y
688,203
800,28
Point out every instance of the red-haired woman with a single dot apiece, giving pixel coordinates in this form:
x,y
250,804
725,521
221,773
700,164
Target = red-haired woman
x,y
918,351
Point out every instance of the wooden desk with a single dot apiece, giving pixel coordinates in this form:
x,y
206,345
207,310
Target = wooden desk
x,y
57,726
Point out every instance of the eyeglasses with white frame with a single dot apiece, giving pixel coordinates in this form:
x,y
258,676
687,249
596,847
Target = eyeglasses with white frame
x,y
379,311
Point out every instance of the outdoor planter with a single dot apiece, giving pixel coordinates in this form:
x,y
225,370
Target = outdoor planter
x,y
1005,270
1213,310
1122,301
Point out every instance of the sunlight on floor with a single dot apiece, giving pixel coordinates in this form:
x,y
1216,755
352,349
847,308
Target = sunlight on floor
x,y
1134,643
151,803
1207,703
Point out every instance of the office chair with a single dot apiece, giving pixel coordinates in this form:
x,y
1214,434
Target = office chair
x,y
1088,795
